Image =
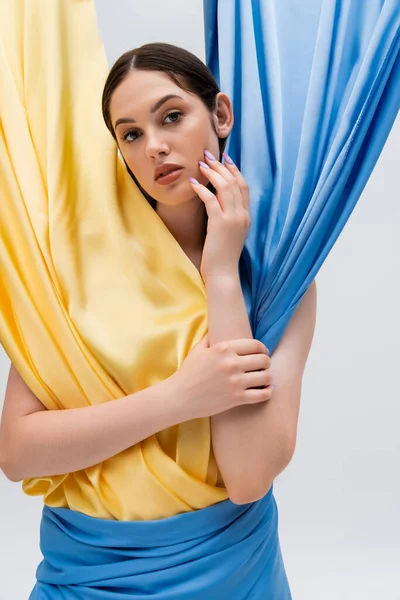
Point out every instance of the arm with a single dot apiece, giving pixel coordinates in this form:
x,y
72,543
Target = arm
x,y
36,442
254,443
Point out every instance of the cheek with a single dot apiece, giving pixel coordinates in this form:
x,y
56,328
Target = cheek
x,y
199,137
131,159
133,164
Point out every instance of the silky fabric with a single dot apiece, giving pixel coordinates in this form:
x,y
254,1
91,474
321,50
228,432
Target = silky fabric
x,y
315,89
224,551
98,300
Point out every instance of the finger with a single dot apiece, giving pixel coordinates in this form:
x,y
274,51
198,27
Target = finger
x,y
217,166
212,205
255,379
223,187
244,346
254,362
242,183
232,174
254,396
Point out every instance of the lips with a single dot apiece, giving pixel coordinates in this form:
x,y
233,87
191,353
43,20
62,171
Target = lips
x,y
166,173
164,169
170,177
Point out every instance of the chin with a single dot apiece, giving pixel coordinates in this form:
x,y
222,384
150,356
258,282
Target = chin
x,y
175,201
175,197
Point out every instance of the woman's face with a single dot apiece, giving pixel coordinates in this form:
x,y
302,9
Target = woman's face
x,y
153,130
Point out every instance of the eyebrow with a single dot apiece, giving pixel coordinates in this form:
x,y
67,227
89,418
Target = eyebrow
x,y
154,109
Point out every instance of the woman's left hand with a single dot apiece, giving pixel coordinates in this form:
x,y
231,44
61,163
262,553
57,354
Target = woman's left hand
x,y
228,217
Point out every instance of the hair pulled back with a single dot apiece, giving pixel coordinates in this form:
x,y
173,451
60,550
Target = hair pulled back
x,y
185,69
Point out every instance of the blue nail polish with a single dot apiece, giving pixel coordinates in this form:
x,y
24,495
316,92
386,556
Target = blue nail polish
x,y
227,158
209,155
203,164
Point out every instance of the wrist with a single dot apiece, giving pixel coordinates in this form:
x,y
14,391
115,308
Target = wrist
x,y
222,277
175,396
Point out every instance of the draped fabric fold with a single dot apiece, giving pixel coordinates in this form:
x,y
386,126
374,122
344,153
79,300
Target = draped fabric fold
x,y
315,88
224,551
98,300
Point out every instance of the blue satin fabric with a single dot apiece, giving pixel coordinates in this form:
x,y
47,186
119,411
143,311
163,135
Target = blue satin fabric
x,y
315,87
223,551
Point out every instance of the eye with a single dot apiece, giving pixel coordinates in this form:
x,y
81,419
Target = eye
x,y
175,112
127,135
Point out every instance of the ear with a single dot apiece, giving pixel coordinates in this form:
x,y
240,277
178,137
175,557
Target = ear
x,y
223,115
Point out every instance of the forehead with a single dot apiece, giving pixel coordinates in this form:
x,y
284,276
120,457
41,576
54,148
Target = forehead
x,y
140,90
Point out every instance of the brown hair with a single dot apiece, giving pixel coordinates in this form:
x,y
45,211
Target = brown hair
x,y
183,67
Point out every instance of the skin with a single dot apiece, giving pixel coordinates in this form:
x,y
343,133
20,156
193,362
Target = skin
x,y
165,136
252,443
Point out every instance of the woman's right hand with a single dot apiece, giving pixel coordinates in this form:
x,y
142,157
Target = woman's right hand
x,y
217,378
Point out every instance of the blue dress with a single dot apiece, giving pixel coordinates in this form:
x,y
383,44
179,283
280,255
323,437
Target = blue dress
x,y
223,551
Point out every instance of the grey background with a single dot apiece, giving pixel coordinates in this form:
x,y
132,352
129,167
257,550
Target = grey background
x,y
339,498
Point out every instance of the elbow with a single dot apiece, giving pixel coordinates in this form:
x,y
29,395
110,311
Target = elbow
x,y
11,477
260,484
7,464
9,470
246,496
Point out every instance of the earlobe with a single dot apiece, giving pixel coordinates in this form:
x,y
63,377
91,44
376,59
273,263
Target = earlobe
x,y
224,128
224,116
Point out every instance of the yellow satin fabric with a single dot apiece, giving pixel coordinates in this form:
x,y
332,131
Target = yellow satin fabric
x,y
98,300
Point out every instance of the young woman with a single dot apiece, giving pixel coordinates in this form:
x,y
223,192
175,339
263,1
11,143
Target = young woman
x,y
171,122
157,453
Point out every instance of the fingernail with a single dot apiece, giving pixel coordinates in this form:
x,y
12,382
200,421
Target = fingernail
x,y
193,180
227,158
272,387
209,155
203,164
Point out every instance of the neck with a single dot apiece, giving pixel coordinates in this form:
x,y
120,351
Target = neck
x,y
188,224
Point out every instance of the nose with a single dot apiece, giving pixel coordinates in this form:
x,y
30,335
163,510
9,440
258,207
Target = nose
x,y
156,144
